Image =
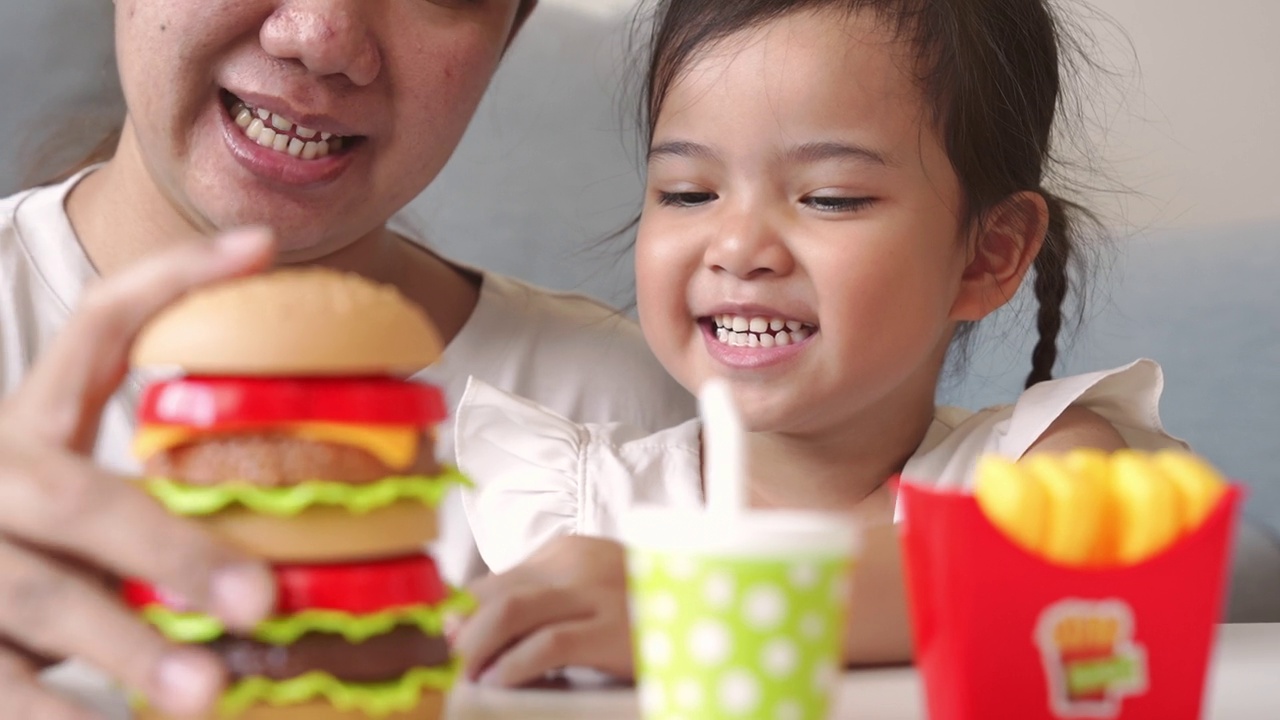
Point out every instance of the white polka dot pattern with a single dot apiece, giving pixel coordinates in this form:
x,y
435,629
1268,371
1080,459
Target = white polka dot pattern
x,y
734,638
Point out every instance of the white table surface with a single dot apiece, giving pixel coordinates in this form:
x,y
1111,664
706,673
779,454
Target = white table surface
x,y
1244,684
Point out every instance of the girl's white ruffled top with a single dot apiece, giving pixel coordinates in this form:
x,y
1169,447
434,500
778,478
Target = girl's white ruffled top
x,y
539,475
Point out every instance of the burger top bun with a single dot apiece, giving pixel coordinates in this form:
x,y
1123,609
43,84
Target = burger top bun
x,y
295,322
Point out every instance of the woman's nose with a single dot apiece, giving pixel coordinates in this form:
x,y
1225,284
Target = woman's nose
x,y
328,37
747,245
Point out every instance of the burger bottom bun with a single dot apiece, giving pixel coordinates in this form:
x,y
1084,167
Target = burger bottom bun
x,y
328,533
430,708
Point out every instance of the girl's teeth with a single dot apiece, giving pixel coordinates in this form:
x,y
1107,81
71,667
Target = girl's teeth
x,y
737,331
309,151
280,124
267,138
281,144
326,136
244,118
295,147
304,132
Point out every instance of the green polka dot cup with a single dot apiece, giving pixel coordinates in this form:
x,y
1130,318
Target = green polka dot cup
x,y
738,617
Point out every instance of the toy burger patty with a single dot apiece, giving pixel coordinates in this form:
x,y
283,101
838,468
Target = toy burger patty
x,y
297,469
285,425
368,634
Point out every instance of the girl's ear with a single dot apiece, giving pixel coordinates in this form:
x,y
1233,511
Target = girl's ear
x,y
1000,253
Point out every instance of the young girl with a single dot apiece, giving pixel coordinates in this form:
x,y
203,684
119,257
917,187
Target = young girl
x,y
837,190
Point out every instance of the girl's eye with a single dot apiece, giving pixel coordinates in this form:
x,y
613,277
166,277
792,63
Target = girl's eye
x,y
685,199
824,203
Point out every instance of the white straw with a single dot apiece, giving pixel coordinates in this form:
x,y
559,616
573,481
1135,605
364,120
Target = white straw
x,y
723,447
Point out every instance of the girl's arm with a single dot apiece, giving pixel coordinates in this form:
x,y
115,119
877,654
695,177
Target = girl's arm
x,y
879,629
567,605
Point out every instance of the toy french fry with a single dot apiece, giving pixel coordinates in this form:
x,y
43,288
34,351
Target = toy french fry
x,y
1074,521
1096,464
1016,506
1199,485
1148,508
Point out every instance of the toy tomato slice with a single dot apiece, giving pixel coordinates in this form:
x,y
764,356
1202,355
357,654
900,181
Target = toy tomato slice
x,y
215,403
355,588
360,587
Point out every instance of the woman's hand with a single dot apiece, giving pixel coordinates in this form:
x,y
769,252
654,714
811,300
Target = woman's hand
x,y
565,606
67,527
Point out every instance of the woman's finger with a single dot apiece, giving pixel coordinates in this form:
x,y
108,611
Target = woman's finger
x,y
23,696
34,660
65,391
501,621
53,612
66,504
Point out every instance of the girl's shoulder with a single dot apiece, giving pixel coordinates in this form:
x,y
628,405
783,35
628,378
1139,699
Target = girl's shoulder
x,y
538,475
1128,398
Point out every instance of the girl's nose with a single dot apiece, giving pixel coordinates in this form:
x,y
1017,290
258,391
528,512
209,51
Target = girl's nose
x,y
748,246
328,37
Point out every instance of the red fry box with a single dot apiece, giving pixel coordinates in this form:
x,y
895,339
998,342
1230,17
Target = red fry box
x,y
1003,633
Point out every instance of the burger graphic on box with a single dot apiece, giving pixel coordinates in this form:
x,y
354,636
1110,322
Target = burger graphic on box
x,y
1090,659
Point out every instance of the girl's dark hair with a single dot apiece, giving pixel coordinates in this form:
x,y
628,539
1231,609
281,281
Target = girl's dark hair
x,y
991,72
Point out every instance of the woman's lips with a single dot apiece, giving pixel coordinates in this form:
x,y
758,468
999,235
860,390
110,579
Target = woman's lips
x,y
276,150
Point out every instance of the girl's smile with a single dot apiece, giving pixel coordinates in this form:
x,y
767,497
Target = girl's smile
x,y
753,338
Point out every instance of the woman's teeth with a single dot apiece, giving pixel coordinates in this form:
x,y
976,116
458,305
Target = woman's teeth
x,y
283,135
742,331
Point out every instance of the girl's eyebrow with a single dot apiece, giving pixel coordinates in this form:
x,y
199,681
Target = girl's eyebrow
x,y
817,152
806,154
683,149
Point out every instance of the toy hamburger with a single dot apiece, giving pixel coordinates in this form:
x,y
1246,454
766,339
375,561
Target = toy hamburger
x,y
284,422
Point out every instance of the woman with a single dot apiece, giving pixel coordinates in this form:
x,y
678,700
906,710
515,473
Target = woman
x,y
316,119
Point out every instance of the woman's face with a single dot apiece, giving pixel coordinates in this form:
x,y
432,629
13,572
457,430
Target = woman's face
x,y
347,109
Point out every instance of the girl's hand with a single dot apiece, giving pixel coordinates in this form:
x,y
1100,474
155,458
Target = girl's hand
x,y
565,606
67,527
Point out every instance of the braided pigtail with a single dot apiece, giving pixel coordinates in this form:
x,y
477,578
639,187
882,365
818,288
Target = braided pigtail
x,y
1052,285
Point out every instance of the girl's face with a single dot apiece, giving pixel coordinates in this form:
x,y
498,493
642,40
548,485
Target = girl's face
x,y
800,234
395,82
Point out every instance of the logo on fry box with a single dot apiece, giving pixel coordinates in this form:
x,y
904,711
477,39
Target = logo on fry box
x,y
1090,659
